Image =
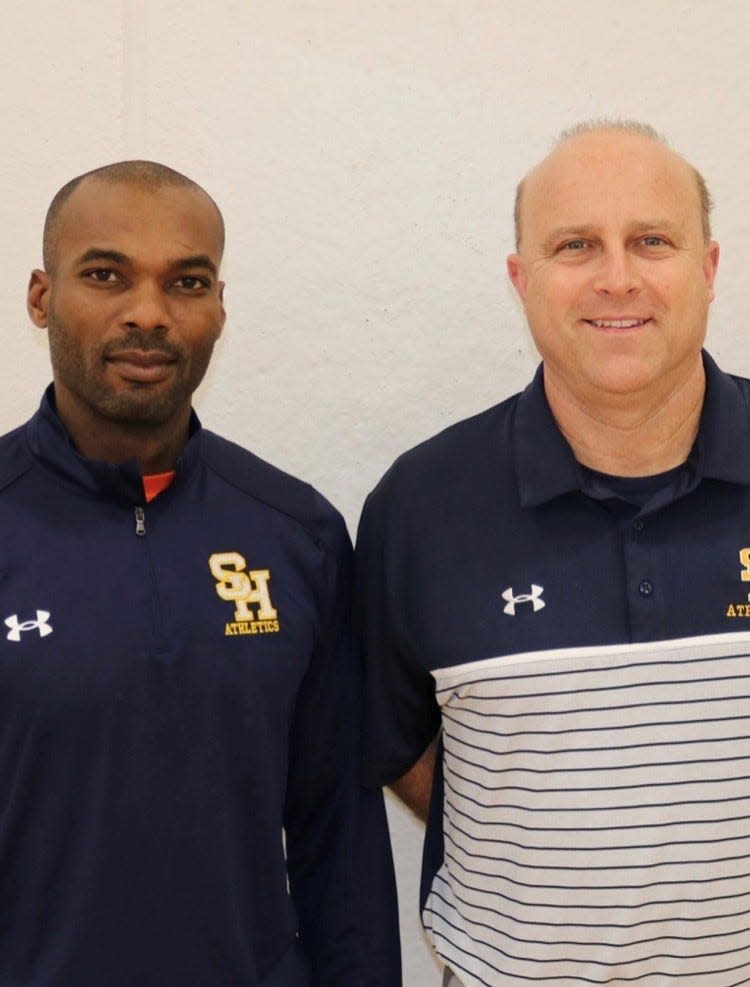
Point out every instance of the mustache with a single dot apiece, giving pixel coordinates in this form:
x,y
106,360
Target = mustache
x,y
145,342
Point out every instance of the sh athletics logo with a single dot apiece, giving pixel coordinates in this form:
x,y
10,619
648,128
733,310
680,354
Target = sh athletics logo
x,y
254,613
742,609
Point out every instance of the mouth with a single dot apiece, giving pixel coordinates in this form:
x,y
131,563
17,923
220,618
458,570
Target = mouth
x,y
617,323
143,367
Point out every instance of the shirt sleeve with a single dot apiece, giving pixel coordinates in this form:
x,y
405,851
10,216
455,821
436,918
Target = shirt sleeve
x,y
338,849
401,713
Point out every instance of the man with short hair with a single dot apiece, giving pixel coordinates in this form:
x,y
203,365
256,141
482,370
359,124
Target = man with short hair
x,y
178,687
557,589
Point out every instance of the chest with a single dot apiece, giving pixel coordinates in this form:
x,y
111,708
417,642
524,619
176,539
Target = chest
x,y
493,580
100,607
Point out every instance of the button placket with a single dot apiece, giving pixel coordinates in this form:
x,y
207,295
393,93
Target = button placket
x,y
643,574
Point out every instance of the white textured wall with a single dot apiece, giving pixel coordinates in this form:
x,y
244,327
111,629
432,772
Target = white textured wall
x,y
365,155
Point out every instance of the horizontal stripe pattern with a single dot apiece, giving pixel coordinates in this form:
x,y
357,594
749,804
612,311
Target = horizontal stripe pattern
x,y
597,816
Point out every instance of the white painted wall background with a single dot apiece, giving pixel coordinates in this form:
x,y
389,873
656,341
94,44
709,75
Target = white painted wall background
x,y
365,155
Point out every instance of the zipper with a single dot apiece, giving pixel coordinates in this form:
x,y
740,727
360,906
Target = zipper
x,y
157,645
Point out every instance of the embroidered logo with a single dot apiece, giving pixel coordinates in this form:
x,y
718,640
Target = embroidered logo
x,y
534,598
17,627
254,612
742,608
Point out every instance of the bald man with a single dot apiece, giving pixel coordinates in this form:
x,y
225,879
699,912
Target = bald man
x,y
554,596
178,687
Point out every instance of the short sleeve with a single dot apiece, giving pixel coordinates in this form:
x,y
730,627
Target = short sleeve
x,y
401,715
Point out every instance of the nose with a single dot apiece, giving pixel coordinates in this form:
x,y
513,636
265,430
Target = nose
x,y
617,273
146,307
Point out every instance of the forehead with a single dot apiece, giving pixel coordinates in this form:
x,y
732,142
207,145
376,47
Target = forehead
x,y
609,177
140,221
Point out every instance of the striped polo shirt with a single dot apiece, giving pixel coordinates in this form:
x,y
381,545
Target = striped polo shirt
x,y
587,655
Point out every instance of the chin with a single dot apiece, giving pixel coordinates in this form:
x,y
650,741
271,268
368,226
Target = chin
x,y
142,409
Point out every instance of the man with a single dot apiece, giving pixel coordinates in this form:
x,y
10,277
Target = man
x,y
178,689
561,584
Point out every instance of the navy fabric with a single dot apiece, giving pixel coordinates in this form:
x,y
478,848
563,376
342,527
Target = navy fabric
x,y
498,503
177,804
292,969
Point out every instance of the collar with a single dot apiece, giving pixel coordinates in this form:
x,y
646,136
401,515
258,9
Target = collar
x,y
546,467
50,443
722,447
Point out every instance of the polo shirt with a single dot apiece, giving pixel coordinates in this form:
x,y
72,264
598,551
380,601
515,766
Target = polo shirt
x,y
590,669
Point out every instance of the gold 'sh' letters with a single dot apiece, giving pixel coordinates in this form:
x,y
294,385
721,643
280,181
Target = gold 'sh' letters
x,y
244,589
742,609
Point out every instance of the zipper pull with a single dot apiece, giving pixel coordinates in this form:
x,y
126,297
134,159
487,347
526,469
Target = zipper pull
x,y
140,521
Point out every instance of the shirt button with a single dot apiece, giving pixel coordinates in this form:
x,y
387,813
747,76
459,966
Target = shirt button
x,y
645,588
638,525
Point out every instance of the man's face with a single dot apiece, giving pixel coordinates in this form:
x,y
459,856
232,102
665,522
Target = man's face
x,y
133,304
613,270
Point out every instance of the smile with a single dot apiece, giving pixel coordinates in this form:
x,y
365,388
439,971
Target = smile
x,y
616,323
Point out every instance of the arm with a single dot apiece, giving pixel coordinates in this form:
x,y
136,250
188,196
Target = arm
x,y
401,716
338,851
415,787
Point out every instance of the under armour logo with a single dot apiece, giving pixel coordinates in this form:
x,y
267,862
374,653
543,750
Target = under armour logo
x,y
534,598
40,624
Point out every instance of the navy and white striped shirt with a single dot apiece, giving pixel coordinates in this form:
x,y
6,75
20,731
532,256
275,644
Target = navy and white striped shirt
x,y
589,662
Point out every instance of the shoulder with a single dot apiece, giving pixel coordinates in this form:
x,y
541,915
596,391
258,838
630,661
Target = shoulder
x,y
741,385
276,490
721,386
461,454
15,456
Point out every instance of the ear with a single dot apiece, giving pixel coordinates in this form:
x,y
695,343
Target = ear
x,y
710,267
517,274
37,297
223,317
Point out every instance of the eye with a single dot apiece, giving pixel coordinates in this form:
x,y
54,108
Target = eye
x,y
652,240
574,245
102,275
192,283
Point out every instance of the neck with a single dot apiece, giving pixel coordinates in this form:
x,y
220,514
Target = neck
x,y
156,448
626,436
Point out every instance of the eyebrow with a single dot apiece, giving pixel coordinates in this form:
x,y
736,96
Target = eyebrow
x,y
116,257
589,229
97,253
198,260
561,232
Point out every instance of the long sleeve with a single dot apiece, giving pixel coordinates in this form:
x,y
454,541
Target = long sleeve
x,y
338,849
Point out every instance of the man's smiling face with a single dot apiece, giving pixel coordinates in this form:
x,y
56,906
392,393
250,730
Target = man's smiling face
x,y
613,269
